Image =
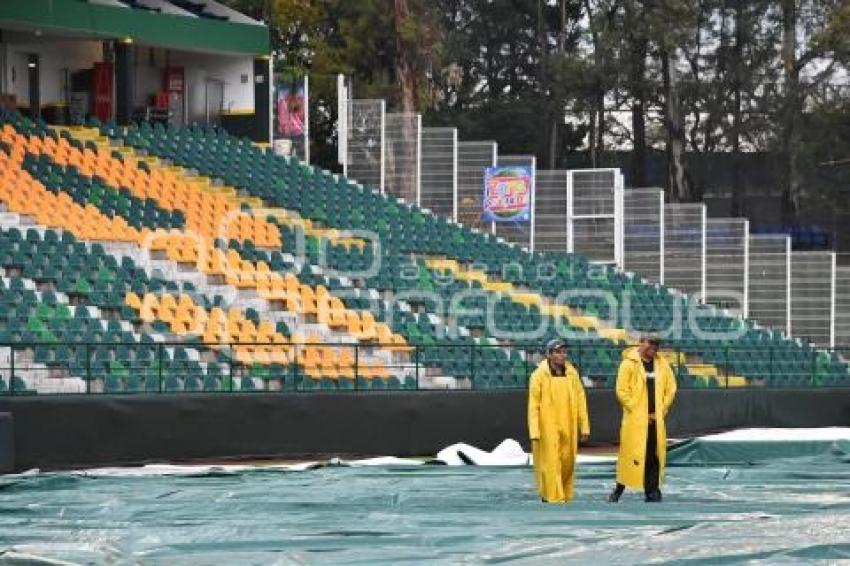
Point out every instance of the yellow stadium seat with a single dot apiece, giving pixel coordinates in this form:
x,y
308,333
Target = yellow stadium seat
x,y
133,301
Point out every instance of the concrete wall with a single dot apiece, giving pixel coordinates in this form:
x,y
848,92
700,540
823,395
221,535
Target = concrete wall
x,y
234,74
237,74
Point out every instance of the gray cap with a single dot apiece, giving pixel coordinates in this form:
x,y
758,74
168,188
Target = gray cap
x,y
651,337
555,344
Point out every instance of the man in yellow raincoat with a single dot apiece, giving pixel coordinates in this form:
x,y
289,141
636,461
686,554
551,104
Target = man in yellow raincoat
x,y
557,420
646,388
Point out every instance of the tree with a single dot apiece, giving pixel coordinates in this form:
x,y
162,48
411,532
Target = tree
x,y
672,26
602,71
386,47
637,48
520,74
684,79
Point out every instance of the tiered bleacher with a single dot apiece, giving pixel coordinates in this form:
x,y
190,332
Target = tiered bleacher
x,y
184,259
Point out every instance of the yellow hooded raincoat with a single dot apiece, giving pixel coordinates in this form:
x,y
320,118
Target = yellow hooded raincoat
x,y
631,393
557,415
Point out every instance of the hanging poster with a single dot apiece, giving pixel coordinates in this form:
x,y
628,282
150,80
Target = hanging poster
x,y
507,194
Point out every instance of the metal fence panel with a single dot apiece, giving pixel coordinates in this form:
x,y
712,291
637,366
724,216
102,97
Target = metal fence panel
x,y
593,209
726,250
365,143
473,158
401,155
550,211
813,297
684,247
643,233
769,293
842,307
438,170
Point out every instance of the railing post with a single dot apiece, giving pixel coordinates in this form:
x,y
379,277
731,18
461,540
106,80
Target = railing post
x,y
472,364
678,353
525,364
159,369
88,368
769,376
578,361
727,365
416,363
356,364
230,367
295,367
814,367
12,370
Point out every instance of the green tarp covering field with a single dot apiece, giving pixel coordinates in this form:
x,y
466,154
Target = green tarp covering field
x,y
722,504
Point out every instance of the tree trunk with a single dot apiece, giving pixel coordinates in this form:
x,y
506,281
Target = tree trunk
x,y
638,90
558,111
546,114
553,140
405,68
790,134
591,138
595,119
562,34
677,182
717,106
596,131
737,201
600,126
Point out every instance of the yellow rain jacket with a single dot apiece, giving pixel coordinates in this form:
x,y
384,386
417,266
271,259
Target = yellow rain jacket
x,y
557,415
631,393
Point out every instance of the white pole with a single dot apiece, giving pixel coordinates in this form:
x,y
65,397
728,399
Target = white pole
x,y
619,232
832,301
454,175
661,237
746,306
342,123
383,144
702,254
307,119
271,100
533,208
494,163
788,285
419,160
569,212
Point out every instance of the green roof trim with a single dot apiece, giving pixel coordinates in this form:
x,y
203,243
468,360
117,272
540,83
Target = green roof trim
x,y
162,30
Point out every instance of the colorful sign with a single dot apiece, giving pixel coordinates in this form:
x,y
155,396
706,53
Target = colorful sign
x,y
507,194
290,105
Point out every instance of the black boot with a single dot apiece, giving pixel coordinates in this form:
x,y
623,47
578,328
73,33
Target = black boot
x,y
653,496
615,494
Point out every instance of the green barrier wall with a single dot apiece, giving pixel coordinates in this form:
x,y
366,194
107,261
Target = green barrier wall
x,y
61,432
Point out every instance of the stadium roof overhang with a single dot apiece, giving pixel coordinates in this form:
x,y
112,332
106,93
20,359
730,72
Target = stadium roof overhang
x,y
78,18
